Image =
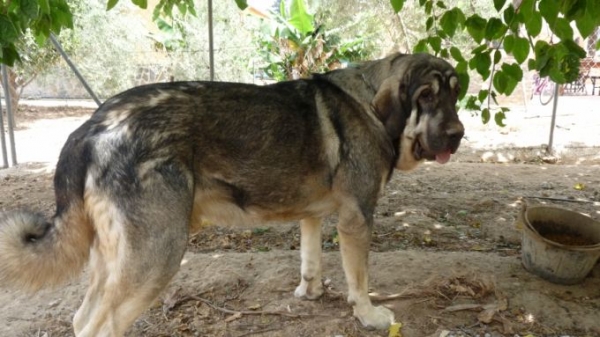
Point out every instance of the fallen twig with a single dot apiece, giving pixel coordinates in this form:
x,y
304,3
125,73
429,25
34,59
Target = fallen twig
x,y
404,294
461,307
560,199
252,312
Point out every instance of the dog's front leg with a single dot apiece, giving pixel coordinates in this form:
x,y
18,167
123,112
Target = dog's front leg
x,y
355,236
310,286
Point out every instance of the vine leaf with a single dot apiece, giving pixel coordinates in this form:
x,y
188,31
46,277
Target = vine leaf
x,y
111,4
397,5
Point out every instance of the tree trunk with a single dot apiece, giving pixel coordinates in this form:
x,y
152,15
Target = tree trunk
x,y
15,88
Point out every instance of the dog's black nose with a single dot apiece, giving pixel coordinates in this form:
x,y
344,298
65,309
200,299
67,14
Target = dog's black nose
x,y
455,133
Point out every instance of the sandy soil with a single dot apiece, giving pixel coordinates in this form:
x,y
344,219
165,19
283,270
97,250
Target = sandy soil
x,y
445,241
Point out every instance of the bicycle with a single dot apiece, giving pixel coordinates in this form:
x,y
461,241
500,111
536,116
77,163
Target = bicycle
x,y
543,87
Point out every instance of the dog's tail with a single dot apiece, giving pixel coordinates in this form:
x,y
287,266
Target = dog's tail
x,y
36,253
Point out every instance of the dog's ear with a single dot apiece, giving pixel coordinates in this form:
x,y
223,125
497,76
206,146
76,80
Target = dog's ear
x,y
392,105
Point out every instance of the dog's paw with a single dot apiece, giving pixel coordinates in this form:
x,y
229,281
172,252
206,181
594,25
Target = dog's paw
x,y
378,318
309,290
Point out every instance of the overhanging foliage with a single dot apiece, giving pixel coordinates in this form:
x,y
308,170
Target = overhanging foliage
x,y
513,30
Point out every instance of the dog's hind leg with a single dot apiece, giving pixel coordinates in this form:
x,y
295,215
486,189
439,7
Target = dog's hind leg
x,y
354,231
310,286
141,239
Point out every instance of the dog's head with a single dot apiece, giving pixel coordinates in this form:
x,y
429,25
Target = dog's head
x,y
417,105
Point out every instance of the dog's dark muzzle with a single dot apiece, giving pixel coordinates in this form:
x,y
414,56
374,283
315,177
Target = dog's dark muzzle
x,y
442,145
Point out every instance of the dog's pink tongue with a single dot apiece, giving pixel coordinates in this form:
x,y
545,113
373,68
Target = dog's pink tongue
x,y
443,157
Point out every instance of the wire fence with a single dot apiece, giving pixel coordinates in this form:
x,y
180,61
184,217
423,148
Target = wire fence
x,y
588,81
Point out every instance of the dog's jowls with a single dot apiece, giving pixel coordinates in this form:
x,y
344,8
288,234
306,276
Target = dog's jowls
x,y
153,162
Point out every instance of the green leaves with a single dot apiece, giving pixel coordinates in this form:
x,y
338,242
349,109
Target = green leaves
x,y
143,4
111,4
586,25
502,47
562,29
506,79
485,115
436,43
452,20
500,116
299,17
521,49
573,9
511,18
518,46
242,4
476,27
549,11
165,7
498,4
559,61
29,8
41,17
9,55
8,31
534,24
514,71
397,5
44,6
482,62
531,17
421,46
585,13
456,54
291,47
495,29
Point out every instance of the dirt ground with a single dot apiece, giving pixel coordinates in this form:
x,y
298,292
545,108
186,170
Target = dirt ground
x,y
444,242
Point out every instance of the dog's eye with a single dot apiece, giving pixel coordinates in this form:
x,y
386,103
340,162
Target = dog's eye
x,y
427,95
457,90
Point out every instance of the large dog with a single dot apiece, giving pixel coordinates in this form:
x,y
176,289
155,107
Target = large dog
x,y
151,163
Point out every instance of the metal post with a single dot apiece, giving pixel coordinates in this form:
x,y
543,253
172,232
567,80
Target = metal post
x,y
10,120
73,68
2,139
211,48
553,121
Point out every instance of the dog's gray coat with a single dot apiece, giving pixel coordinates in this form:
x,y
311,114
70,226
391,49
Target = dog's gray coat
x,y
155,162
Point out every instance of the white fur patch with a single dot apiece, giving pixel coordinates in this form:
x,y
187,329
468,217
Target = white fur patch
x,y
435,86
407,160
310,252
115,118
109,224
453,82
108,141
415,128
157,99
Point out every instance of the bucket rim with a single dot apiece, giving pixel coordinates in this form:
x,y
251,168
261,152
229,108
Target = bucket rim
x,y
537,236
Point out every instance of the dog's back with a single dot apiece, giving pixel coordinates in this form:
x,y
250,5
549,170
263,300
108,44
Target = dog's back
x,y
157,160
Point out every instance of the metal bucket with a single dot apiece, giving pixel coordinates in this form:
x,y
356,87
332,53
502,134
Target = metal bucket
x,y
564,261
